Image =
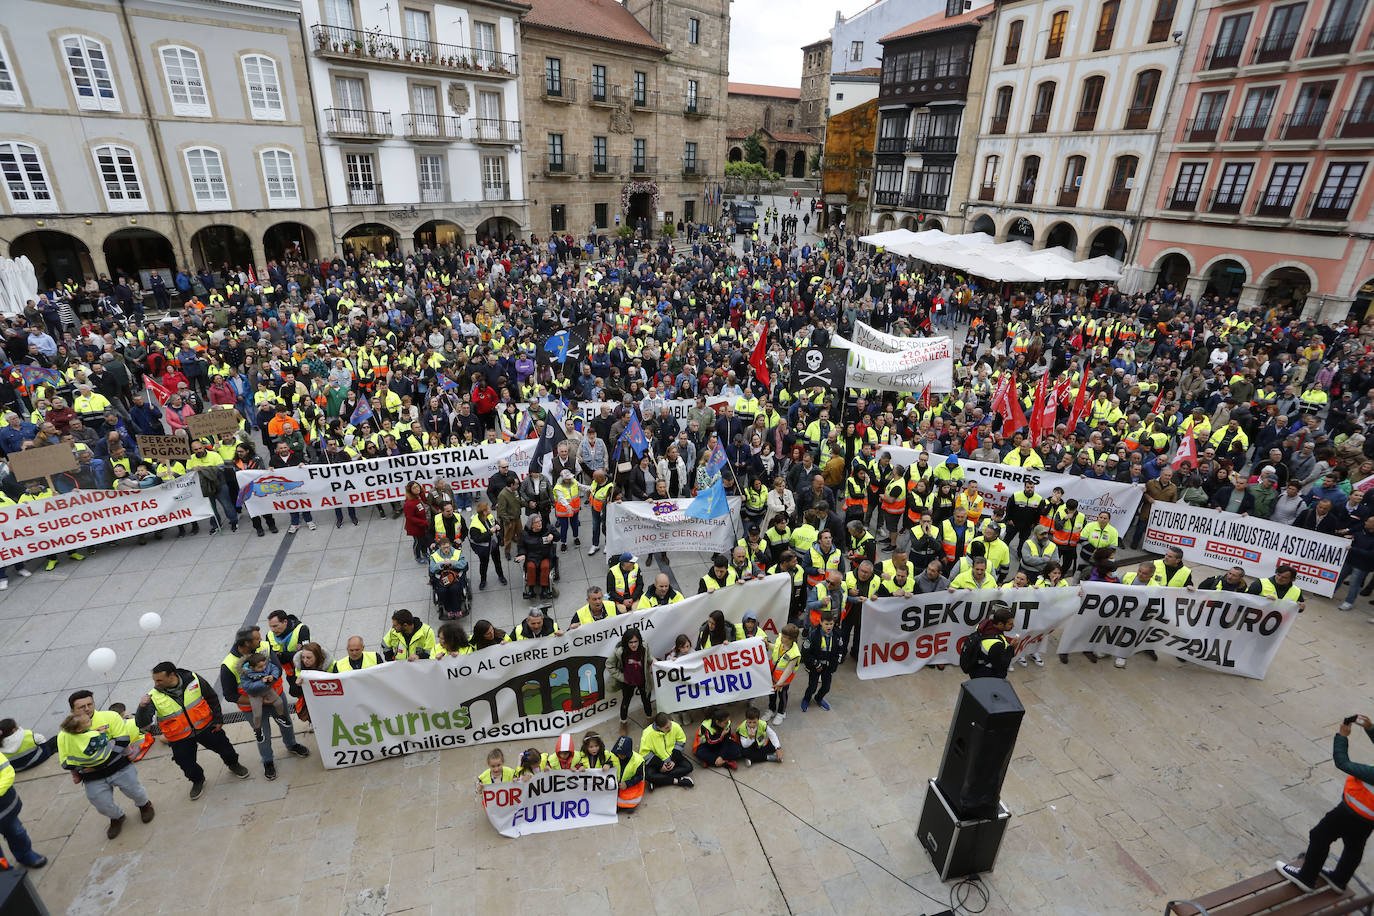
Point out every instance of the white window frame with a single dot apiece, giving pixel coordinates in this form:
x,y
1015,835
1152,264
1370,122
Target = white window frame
x,y
123,186
178,62
429,169
338,14
99,92
29,180
288,190
208,191
10,93
265,101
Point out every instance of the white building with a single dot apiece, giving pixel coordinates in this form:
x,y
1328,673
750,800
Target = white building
x,y
1077,96
419,113
854,40
849,90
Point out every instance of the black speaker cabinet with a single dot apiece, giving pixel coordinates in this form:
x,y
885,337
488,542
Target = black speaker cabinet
x,y
17,896
982,737
959,847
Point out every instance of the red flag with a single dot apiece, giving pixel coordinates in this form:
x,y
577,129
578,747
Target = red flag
x,y
925,397
1187,451
1159,402
1080,403
1049,414
156,390
1038,411
1076,341
759,358
1016,419
971,440
1061,389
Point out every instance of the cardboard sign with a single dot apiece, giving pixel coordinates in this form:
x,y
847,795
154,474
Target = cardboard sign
x,y
164,448
34,463
212,424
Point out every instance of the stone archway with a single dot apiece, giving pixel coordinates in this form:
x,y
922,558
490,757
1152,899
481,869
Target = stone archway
x,y
377,238
289,242
497,228
780,162
1173,269
909,223
438,232
1364,297
215,246
1286,287
932,224
799,164
136,253
1021,230
886,221
1062,235
736,154
1110,241
56,256
1226,278
983,223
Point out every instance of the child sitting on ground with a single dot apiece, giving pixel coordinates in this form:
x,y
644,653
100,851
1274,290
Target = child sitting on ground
x,y
257,677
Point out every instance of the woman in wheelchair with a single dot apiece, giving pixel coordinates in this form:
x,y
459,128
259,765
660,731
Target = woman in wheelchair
x,y
448,573
536,554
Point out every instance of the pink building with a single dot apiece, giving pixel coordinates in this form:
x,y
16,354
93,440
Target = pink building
x,y
1262,190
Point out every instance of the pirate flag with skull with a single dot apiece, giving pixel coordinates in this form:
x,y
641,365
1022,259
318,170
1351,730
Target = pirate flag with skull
x,y
824,367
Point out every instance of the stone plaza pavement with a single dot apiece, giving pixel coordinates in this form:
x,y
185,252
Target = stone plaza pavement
x,y
1128,787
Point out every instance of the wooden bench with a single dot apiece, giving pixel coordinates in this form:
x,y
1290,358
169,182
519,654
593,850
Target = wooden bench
x,y
1270,894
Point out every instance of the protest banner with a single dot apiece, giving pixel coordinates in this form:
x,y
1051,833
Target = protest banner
x,y
554,800
534,688
1226,632
164,448
721,674
86,517
928,361
998,482
1260,546
660,525
216,422
866,335
371,481
36,463
902,635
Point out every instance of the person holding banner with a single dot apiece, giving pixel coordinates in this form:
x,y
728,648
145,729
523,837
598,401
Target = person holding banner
x,y
1280,586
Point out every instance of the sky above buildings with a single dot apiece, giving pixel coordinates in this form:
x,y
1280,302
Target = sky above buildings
x,y
766,37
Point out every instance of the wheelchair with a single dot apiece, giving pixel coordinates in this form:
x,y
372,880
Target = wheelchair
x,y
446,578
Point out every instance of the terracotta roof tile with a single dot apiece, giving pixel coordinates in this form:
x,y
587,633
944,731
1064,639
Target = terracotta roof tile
x,y
777,92
938,22
792,137
604,19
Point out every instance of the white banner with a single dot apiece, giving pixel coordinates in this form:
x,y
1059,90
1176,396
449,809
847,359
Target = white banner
x,y
658,525
998,482
1259,546
517,691
83,518
902,635
368,482
555,800
868,336
928,360
721,674
1227,632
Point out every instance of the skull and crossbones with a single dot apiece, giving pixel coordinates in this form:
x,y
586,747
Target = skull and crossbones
x,y
812,374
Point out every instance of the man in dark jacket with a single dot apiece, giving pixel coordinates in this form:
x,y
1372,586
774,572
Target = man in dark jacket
x,y
188,712
1351,821
1359,562
821,654
995,651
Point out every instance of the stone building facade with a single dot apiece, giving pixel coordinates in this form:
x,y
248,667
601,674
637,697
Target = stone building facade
x,y
815,88
774,113
155,136
623,117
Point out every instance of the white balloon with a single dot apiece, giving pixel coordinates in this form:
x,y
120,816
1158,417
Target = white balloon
x,y
101,661
149,622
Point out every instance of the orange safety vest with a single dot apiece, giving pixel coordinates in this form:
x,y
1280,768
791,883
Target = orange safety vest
x,y
951,539
565,506
893,505
856,502
186,720
1068,537
973,506
1359,795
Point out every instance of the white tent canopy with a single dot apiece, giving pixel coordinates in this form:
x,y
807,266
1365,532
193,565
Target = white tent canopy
x,y
1008,262
18,285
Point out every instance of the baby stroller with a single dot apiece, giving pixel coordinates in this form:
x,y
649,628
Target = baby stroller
x,y
451,591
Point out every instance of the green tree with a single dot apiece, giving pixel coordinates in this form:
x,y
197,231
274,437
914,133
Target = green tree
x,y
753,149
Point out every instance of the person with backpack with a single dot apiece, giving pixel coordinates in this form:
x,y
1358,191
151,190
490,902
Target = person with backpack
x,y
821,655
987,652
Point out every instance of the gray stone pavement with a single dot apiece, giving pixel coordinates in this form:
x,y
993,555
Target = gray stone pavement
x,y
1128,787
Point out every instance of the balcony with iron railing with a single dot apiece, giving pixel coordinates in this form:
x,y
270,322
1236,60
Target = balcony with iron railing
x,y
600,93
1225,202
1202,130
1138,118
987,192
695,168
1025,194
1358,123
998,124
648,99
1303,125
560,90
644,165
1039,122
1224,54
1117,199
357,123
422,127
1275,204
893,144
1182,199
1274,48
1249,128
496,192
1068,196
698,107
564,166
933,144
492,130
434,193
887,198
604,166
1330,205
359,46
925,201
365,194
1085,120
1332,39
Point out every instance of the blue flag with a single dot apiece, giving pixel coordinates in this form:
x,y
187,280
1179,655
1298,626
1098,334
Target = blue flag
x,y
557,347
709,503
716,461
447,384
37,375
633,436
361,414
